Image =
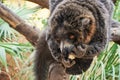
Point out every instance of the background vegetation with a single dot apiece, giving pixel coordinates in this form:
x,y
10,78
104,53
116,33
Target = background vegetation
x,y
16,53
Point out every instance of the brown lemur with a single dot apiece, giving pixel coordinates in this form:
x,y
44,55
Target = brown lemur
x,y
80,28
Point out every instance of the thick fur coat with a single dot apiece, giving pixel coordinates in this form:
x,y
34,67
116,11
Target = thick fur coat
x,y
78,27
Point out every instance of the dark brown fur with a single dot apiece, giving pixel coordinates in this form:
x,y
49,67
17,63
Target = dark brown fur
x,y
77,26
88,21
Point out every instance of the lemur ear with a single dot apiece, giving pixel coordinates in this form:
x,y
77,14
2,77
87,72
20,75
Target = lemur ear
x,y
85,21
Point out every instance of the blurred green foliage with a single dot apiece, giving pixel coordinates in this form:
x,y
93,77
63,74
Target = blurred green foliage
x,y
117,11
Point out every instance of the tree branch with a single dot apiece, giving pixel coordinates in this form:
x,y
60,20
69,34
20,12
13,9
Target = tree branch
x,y
31,33
43,3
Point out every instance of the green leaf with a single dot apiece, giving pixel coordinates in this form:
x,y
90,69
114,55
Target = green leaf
x,y
3,57
16,49
7,33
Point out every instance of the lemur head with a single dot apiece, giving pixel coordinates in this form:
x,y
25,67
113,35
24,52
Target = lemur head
x,y
72,26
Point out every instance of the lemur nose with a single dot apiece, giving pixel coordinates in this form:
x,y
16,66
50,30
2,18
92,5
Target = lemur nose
x,y
65,44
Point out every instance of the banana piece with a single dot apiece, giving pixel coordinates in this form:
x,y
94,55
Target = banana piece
x,y
71,56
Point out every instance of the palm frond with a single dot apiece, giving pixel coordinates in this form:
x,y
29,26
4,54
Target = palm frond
x,y
16,50
105,67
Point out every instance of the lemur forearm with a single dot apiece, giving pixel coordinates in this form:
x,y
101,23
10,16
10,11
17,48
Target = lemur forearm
x,y
43,59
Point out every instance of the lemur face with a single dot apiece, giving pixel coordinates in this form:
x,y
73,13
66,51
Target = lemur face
x,y
71,30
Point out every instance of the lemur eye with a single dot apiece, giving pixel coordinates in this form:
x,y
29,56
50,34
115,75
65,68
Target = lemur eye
x,y
72,37
58,40
85,20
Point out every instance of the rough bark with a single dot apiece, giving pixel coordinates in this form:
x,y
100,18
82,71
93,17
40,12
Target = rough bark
x,y
43,3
